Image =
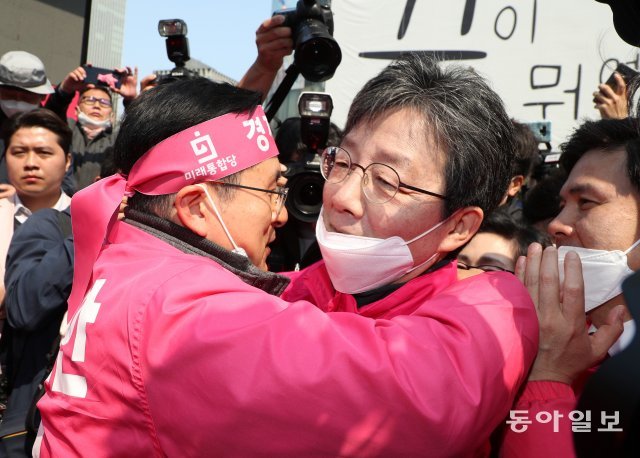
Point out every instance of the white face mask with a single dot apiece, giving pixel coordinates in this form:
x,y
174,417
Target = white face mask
x,y
11,107
356,264
603,272
86,120
236,248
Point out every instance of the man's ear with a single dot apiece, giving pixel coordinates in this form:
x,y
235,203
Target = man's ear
x,y
190,207
67,162
515,185
464,225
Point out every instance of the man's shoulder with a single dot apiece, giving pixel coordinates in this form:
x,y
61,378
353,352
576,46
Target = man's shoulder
x,y
489,288
44,222
151,258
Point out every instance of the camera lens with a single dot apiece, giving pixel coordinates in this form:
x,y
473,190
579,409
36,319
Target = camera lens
x,y
305,196
317,53
310,194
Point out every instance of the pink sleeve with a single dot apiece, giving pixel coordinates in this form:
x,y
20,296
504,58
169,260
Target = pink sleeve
x,y
311,285
544,400
229,365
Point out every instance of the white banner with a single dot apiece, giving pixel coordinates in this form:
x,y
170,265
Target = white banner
x,y
544,57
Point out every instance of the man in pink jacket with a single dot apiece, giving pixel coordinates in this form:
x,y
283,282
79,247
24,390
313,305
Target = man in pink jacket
x,y
179,344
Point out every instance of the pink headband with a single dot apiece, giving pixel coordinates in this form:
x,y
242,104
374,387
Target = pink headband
x,y
208,151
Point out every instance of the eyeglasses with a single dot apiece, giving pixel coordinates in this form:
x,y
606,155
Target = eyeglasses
x,y
379,183
90,100
278,196
485,267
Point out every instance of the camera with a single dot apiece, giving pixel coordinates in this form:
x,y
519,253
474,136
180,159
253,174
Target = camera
x,y
317,54
547,160
175,31
304,179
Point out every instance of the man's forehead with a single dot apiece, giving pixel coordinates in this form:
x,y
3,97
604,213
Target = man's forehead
x,y
266,171
96,92
34,134
594,159
395,142
598,170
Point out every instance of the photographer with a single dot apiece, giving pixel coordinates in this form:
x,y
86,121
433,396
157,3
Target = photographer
x,y
94,131
307,29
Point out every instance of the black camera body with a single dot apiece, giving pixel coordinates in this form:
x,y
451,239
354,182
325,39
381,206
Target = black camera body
x,y
305,185
317,54
304,179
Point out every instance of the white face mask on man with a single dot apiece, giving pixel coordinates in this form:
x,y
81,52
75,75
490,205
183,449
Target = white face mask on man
x,y
86,120
603,272
357,264
11,107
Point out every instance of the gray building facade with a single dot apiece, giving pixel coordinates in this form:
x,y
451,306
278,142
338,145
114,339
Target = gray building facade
x,y
64,33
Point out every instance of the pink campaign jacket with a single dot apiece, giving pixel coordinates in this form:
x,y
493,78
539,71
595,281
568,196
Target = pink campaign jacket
x,y
173,355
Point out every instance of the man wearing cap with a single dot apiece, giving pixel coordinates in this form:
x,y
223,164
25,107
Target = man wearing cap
x,y
23,87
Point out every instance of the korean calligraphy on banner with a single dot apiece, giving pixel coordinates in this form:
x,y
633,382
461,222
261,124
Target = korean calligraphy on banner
x,y
544,57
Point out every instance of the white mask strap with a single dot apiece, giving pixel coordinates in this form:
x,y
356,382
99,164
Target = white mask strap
x,y
428,231
632,247
422,263
236,248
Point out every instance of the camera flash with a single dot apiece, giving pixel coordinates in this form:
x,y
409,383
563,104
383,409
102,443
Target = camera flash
x,y
172,27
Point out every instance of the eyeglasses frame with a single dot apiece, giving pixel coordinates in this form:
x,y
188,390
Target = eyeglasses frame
x,y
364,171
90,99
280,190
465,266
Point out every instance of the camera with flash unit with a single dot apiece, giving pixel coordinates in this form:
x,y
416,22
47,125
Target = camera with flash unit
x,y
304,179
175,31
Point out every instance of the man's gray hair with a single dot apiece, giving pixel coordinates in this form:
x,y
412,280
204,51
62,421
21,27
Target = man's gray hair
x,y
462,114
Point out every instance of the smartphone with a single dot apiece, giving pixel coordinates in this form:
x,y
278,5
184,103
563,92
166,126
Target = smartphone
x,y
102,76
625,71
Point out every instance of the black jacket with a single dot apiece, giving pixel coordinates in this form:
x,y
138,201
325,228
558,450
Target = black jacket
x,y
38,278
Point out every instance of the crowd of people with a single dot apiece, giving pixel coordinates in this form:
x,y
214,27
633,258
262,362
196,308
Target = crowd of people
x,y
443,304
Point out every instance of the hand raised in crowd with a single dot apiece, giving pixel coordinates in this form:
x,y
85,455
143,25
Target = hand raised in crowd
x,y
74,81
612,102
273,42
148,82
128,83
566,348
6,190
